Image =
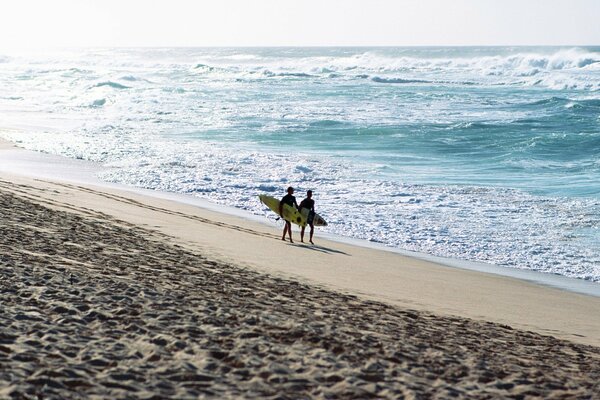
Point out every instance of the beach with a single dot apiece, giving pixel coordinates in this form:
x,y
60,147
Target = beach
x,y
110,293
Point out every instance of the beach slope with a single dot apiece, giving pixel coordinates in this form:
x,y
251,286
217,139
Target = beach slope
x,y
107,293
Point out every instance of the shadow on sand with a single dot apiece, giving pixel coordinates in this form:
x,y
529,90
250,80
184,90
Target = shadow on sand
x,y
314,247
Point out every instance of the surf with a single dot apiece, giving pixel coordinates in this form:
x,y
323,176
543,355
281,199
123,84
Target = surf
x,y
466,153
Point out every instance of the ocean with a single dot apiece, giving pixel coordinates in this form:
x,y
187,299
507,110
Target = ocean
x,y
486,154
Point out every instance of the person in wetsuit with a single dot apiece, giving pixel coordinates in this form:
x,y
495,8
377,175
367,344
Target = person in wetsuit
x,y
309,203
290,200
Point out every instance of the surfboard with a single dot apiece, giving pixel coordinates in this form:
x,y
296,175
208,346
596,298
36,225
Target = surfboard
x,y
290,213
317,220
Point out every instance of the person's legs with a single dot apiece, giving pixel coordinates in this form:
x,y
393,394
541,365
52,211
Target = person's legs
x,y
302,234
312,230
285,228
289,227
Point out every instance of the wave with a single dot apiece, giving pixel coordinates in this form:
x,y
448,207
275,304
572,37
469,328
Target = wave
x,y
562,82
271,74
525,63
98,103
520,64
550,101
474,126
556,101
397,80
378,79
584,105
295,74
114,85
74,71
566,68
325,123
204,68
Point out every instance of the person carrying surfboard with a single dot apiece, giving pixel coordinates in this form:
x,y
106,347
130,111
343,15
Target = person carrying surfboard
x,y
309,204
290,200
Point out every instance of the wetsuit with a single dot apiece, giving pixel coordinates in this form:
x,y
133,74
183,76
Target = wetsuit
x,y
310,204
289,200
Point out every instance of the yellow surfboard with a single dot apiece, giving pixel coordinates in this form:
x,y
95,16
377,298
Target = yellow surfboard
x,y
290,213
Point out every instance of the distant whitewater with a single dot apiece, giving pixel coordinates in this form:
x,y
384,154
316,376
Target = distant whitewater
x,y
487,154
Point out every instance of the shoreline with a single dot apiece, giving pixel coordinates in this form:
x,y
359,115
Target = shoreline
x,y
47,166
374,274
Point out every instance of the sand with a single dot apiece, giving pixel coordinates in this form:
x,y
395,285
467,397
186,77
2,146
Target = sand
x,y
112,294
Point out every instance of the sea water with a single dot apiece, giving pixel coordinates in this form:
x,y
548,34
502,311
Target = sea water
x,y
488,154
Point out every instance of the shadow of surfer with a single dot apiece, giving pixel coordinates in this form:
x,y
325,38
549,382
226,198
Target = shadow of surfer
x,y
290,200
321,249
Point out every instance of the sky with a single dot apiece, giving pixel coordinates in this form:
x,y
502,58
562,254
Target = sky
x,y
106,23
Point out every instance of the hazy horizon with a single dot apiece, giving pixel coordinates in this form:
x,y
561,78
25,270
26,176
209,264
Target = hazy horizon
x,y
31,24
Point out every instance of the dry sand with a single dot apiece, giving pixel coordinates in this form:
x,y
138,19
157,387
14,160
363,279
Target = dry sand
x,y
109,294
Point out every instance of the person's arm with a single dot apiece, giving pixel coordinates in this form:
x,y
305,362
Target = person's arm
x,y
281,208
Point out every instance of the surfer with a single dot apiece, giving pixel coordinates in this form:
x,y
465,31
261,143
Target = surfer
x,y
290,200
308,203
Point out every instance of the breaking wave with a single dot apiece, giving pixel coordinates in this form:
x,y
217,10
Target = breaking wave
x,y
562,68
114,85
397,80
